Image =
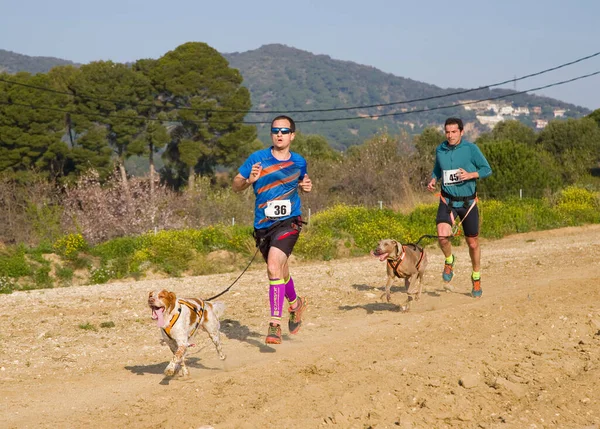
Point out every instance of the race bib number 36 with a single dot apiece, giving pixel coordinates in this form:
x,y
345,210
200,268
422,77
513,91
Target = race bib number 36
x,y
451,177
278,208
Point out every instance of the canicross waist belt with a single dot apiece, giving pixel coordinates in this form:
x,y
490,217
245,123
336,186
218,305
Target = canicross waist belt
x,y
454,198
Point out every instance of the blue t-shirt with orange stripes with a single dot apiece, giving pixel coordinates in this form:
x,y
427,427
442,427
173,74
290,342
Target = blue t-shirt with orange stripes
x,y
278,181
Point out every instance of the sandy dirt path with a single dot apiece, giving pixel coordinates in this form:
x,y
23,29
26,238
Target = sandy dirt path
x,y
526,355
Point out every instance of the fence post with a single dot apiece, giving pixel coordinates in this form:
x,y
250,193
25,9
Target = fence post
x,y
380,205
309,216
520,194
232,221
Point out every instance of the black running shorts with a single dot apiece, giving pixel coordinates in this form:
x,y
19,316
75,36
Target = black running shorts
x,y
282,235
470,224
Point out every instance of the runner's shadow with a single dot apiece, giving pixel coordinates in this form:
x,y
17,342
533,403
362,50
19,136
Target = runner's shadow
x,y
234,330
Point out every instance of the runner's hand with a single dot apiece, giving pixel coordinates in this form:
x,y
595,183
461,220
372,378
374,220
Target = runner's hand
x,y
305,184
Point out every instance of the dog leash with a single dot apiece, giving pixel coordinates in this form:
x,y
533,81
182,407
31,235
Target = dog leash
x,y
269,232
455,228
235,281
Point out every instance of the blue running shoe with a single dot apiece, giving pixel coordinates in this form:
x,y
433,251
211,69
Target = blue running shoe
x,y
448,272
476,291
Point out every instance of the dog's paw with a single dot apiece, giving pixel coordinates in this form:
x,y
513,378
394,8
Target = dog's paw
x,y
185,372
171,370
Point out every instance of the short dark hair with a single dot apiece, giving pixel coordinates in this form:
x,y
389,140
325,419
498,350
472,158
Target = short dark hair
x,y
454,121
291,121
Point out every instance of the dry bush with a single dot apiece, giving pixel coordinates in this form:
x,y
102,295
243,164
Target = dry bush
x,y
211,204
379,170
30,213
104,211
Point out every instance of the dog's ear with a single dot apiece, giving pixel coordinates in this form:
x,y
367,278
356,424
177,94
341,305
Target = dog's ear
x,y
171,300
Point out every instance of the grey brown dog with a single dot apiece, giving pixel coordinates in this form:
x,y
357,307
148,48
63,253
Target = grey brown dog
x,y
407,262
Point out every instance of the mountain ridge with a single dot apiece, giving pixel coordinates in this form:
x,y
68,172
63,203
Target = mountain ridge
x,y
13,62
290,80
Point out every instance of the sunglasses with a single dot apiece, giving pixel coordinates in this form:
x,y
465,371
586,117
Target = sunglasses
x,y
283,130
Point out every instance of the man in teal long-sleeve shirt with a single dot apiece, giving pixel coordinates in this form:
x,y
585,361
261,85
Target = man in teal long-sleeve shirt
x,y
459,163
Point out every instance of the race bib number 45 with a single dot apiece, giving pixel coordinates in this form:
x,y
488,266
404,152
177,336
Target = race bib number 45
x,y
451,177
278,208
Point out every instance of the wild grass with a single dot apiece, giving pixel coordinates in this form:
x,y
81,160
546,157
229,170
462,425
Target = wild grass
x,y
339,231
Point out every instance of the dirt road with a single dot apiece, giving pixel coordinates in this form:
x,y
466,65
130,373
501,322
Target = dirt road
x,y
526,355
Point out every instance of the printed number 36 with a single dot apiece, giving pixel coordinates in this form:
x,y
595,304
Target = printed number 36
x,y
280,210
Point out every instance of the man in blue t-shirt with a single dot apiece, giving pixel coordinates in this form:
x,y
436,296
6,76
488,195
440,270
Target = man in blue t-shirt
x,y
276,174
459,163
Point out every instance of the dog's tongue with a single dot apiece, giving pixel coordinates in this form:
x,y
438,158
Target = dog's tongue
x,y
157,314
382,256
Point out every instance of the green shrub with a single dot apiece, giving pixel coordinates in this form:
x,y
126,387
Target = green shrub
x,y
42,277
70,245
7,285
101,275
117,247
578,206
14,264
64,274
317,245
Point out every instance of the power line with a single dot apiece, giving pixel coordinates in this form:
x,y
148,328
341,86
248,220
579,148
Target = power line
x,y
335,109
443,95
452,105
142,118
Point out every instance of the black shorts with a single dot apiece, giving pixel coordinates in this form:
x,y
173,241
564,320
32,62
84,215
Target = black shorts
x,y
470,224
282,235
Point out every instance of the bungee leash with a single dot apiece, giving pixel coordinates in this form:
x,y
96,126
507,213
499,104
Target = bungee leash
x,y
238,277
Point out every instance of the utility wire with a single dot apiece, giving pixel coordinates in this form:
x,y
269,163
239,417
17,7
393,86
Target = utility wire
x,y
450,105
441,95
143,118
335,109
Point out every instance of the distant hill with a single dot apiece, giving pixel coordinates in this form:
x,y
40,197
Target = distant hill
x,y
283,79
11,62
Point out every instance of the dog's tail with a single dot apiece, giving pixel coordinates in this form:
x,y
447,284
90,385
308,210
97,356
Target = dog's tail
x,y
218,308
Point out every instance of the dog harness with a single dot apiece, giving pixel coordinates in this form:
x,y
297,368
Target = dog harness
x,y
397,261
199,312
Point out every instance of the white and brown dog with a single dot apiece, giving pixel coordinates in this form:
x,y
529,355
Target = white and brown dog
x,y
407,262
179,319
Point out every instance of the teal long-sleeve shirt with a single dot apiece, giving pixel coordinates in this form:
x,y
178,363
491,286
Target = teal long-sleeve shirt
x,y
465,155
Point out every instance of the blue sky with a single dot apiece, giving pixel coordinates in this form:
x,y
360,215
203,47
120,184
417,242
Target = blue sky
x,y
454,44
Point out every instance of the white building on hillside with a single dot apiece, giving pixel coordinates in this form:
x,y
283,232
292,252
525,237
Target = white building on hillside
x,y
490,121
559,113
521,111
506,110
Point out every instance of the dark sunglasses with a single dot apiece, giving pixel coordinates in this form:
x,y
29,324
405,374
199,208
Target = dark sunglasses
x,y
283,130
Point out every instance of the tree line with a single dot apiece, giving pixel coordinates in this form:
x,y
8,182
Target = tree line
x,y
188,104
